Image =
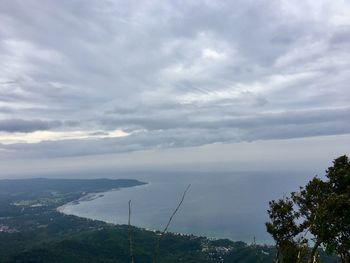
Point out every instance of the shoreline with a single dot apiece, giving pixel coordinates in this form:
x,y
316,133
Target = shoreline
x,y
90,196
95,195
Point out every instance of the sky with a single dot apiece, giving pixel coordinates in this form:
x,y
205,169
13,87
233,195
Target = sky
x,y
195,84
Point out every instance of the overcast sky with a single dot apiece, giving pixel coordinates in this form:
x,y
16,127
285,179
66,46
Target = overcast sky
x,y
111,78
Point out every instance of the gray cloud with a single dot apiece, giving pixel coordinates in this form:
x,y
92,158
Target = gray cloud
x,y
179,118
173,74
171,138
18,125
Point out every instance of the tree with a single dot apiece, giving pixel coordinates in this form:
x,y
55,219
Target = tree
x,y
338,239
322,209
312,201
284,229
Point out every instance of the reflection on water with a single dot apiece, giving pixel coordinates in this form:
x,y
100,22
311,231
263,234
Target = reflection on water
x,y
227,205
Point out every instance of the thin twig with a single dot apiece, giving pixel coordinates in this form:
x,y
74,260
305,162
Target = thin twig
x,y
155,258
131,251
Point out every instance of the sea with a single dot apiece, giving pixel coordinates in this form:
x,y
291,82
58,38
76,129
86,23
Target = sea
x,y
229,205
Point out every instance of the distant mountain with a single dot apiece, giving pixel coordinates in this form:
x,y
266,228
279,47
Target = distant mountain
x,y
44,186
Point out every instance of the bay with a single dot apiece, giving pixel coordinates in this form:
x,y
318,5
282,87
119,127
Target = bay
x,y
221,205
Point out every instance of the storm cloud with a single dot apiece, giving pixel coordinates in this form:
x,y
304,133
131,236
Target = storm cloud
x,y
171,73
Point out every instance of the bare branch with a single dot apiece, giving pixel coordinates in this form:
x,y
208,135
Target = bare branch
x,y
175,211
131,251
155,259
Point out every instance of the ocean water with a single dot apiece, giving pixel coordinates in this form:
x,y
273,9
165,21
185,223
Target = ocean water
x,y
222,205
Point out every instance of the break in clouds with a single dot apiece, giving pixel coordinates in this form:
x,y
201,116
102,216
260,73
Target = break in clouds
x,y
91,77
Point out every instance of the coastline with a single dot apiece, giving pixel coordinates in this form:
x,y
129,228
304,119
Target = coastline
x,y
96,195
90,196
151,210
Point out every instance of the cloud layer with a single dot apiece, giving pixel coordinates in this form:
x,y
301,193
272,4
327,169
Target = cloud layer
x,y
170,73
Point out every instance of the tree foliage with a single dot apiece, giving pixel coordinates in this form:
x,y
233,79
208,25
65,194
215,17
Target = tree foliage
x,y
319,212
283,228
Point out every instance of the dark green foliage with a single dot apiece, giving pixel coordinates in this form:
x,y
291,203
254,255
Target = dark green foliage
x,y
338,238
322,210
284,229
110,244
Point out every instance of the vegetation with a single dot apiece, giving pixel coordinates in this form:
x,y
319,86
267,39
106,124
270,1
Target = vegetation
x,y
28,211
110,244
319,212
32,230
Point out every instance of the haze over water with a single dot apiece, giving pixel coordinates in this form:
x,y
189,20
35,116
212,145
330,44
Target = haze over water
x,y
223,205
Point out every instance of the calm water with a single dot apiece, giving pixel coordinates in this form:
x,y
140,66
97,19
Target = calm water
x,y
227,205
